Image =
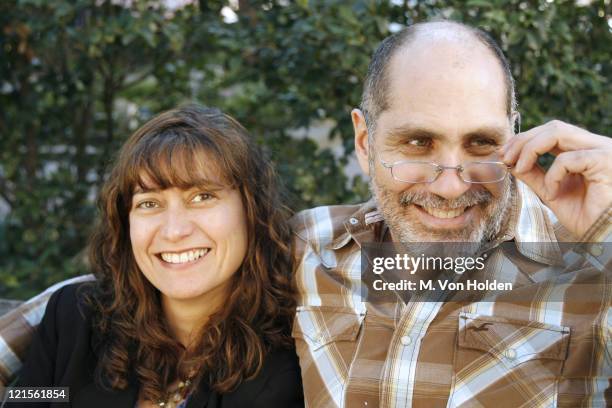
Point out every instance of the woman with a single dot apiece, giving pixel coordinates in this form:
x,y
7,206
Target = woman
x,y
193,302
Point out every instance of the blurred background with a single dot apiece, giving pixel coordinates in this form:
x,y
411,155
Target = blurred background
x,y
78,76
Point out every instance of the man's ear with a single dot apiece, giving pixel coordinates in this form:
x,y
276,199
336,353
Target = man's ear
x,y
515,118
361,139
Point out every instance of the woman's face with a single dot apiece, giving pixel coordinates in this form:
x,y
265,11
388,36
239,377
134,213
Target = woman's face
x,y
189,243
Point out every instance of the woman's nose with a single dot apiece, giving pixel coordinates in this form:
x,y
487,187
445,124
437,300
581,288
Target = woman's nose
x,y
177,224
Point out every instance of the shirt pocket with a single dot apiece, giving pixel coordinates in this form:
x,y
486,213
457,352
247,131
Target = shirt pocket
x,y
319,326
498,359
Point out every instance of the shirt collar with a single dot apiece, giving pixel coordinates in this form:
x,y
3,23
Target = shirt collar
x,y
361,226
530,226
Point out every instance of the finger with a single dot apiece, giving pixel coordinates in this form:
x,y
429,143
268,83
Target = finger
x,y
569,137
516,143
513,137
534,178
528,155
576,162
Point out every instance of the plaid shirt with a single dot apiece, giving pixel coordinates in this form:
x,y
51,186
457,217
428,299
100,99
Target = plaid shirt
x,y
550,350
422,354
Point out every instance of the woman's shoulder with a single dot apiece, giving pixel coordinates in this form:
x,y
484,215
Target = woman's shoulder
x,y
60,348
278,367
280,359
278,383
68,305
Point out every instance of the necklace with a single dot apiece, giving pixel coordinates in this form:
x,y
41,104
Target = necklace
x,y
175,398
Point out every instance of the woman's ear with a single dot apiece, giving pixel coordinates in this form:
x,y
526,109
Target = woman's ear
x,y
361,139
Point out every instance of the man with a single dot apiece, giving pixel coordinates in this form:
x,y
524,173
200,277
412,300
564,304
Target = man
x,y
442,93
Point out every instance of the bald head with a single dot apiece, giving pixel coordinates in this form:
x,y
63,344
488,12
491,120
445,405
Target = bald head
x,y
427,50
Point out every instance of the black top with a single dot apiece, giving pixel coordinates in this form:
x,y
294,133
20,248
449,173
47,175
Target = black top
x,y
61,354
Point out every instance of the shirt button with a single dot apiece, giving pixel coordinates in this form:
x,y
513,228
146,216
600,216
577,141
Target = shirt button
x,y
510,354
354,221
596,250
406,340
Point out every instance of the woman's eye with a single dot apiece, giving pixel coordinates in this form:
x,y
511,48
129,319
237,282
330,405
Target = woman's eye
x,y
147,205
201,197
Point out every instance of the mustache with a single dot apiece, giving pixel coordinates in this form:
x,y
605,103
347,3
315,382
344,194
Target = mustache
x,y
425,199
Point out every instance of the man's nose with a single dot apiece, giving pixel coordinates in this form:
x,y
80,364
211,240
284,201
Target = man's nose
x,y
177,225
448,185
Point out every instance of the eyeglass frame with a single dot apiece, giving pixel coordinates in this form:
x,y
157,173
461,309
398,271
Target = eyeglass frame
x,y
440,169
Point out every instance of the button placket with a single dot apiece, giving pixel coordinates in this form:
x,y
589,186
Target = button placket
x,y
510,354
412,326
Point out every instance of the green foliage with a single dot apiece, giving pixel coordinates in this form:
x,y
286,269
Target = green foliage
x,y
77,76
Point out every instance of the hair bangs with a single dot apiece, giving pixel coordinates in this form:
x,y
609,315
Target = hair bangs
x,y
176,159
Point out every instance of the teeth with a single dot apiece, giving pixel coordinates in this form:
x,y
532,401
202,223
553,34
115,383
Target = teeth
x,y
444,214
183,257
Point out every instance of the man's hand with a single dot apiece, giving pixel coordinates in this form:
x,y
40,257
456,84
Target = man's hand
x,y
578,185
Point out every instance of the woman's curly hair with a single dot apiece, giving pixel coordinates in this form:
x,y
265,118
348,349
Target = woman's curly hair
x,y
132,338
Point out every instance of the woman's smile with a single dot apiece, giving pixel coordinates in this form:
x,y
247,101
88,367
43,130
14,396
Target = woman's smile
x,y
188,256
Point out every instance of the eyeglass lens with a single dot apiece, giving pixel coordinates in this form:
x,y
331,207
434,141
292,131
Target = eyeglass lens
x,y
428,172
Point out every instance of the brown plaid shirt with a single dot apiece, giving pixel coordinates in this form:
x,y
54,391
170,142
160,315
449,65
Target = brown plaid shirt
x,y
551,349
429,354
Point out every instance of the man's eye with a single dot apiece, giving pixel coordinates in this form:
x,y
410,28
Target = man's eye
x,y
482,142
201,197
420,142
147,205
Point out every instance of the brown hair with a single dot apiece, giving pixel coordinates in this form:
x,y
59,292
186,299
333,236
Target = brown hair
x,y
133,339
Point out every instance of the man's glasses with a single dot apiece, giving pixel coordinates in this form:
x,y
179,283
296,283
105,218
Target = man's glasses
x,y
476,172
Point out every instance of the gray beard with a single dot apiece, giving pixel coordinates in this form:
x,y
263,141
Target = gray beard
x,y
495,213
